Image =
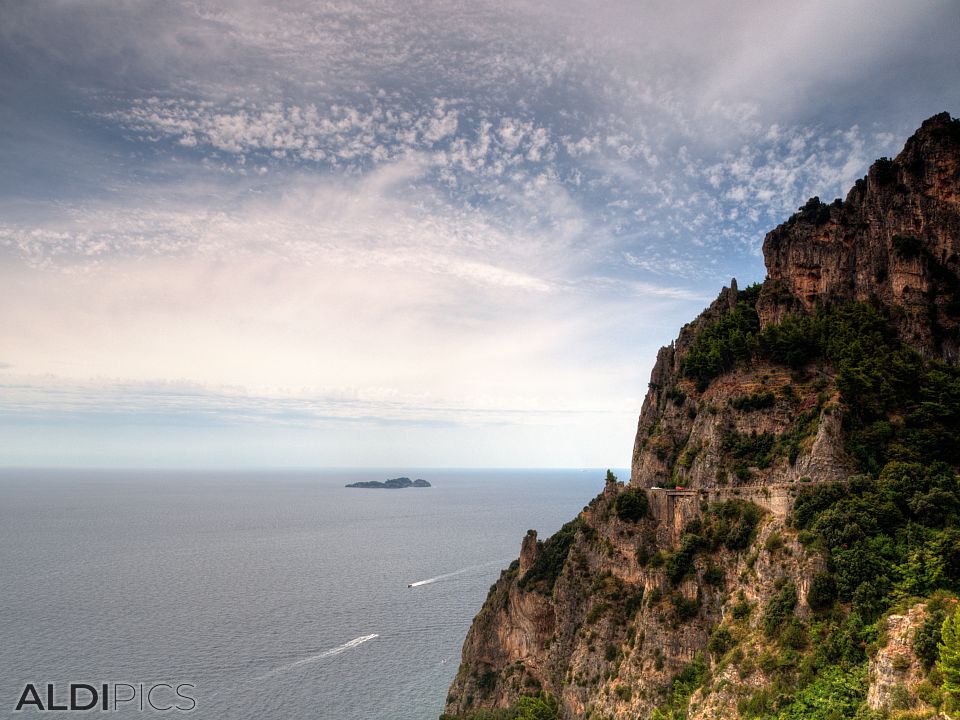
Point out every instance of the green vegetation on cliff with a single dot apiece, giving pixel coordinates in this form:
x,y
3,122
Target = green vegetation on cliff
x,y
897,405
631,505
731,524
528,707
553,551
888,537
723,343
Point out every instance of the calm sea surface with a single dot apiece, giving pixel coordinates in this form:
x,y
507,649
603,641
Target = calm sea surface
x,y
278,595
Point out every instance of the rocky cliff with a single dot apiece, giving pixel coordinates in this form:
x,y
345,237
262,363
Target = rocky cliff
x,y
715,584
895,239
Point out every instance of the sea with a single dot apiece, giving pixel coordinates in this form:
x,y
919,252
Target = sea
x,y
256,594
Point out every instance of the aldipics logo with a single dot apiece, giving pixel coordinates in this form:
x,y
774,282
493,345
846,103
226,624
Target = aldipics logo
x,y
155,697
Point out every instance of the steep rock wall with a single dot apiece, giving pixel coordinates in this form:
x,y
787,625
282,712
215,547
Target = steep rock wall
x,y
602,619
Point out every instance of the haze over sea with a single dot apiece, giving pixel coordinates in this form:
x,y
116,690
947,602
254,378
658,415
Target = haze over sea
x,y
278,594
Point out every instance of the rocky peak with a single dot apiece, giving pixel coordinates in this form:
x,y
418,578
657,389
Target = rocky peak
x,y
529,551
894,241
694,574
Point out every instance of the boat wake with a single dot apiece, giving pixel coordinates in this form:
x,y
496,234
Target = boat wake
x,y
325,654
438,578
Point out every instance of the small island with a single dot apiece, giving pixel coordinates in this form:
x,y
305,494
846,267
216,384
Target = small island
x,y
394,484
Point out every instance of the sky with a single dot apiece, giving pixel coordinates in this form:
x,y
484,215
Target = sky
x,y
406,234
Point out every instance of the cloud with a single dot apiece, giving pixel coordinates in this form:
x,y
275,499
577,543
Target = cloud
x,y
478,211
307,286
29,398
680,142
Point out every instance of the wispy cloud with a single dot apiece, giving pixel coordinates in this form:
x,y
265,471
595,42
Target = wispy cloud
x,y
489,213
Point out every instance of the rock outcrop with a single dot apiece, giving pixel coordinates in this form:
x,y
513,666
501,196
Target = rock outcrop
x,y
895,239
896,671
660,576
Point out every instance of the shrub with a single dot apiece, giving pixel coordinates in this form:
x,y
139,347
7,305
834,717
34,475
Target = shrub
x,y
823,591
720,641
684,608
643,555
779,609
741,610
754,449
682,687
794,635
680,563
927,636
836,693
631,505
753,401
486,681
884,538
773,543
527,707
733,523
713,575
948,656
688,455
676,395
908,246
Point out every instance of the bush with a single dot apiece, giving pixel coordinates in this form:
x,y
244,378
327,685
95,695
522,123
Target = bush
x,y
823,591
753,401
527,707
680,563
720,641
741,610
885,538
754,449
908,246
794,635
878,378
714,576
631,505
682,687
948,657
836,693
927,636
676,395
773,543
541,707
779,609
684,608
733,524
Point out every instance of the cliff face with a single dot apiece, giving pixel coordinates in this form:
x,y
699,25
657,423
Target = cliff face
x,y
896,239
674,591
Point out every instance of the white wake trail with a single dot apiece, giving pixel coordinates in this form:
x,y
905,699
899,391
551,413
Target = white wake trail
x,y
326,653
438,578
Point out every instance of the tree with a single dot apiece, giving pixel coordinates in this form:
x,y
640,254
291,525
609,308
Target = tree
x,y
948,661
542,707
822,592
631,505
